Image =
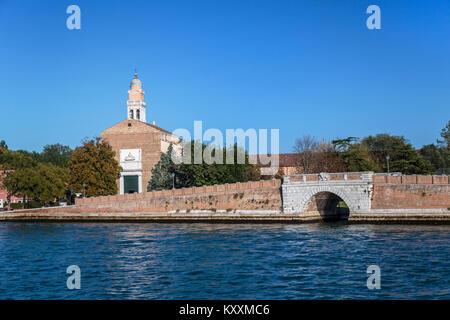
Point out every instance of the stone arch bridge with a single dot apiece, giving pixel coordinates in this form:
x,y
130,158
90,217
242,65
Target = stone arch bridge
x,y
355,189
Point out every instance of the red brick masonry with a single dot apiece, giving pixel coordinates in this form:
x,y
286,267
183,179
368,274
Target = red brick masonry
x,y
410,191
389,192
262,195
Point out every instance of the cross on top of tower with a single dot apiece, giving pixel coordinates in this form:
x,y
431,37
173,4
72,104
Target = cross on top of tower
x,y
135,82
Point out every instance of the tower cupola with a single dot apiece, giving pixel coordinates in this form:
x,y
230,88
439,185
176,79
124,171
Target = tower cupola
x,y
136,83
136,105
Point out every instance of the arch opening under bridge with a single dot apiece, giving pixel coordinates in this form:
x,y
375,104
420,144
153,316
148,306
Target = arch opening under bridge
x,y
333,195
328,205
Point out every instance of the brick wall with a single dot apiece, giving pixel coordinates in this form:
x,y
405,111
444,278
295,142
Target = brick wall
x,y
262,195
410,191
389,192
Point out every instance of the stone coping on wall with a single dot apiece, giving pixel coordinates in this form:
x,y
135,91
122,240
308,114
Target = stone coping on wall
x,y
394,177
327,177
240,186
411,179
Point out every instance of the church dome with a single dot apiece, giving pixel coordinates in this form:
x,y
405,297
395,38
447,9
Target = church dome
x,y
136,83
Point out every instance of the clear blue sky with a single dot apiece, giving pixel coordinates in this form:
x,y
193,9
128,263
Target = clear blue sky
x,y
305,67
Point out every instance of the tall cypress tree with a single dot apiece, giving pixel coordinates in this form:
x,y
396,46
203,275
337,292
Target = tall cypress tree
x,y
162,172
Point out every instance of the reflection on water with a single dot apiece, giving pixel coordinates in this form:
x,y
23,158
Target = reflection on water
x,y
223,261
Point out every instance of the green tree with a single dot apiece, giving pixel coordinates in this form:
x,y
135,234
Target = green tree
x,y
438,157
342,145
403,157
204,173
51,182
56,154
445,134
94,164
195,175
44,182
3,145
355,155
162,172
357,158
12,160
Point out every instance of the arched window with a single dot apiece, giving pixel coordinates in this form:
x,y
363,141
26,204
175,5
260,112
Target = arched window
x,y
138,114
131,114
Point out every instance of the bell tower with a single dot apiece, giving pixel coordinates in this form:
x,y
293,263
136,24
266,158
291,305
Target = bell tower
x,y
136,104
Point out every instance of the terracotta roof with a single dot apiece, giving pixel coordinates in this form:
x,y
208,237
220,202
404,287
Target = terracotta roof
x,y
289,159
285,159
158,128
148,124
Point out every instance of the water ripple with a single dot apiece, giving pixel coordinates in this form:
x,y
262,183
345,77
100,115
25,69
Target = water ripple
x,y
223,261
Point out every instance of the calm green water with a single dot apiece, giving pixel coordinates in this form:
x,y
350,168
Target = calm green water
x,y
223,261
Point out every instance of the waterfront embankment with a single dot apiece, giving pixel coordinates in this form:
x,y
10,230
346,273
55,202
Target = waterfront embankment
x,y
435,216
362,197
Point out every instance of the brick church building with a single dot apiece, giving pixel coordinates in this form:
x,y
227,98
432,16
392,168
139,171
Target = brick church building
x,y
138,145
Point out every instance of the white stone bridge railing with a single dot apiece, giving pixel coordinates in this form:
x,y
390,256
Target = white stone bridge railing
x,y
355,188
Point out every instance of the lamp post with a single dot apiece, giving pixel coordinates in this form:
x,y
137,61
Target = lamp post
x,y
387,160
84,190
173,180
